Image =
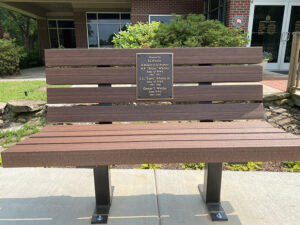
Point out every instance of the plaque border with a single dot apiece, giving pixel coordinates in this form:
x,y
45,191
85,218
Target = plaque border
x,y
136,76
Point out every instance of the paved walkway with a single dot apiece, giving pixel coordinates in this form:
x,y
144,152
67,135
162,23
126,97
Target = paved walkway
x,y
35,73
36,196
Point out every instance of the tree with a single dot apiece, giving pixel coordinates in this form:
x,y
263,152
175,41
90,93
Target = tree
x,y
21,28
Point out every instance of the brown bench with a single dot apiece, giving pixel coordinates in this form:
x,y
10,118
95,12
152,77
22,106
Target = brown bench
x,y
100,145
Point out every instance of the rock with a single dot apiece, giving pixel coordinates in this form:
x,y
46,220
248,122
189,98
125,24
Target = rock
x,y
1,123
282,102
279,110
277,96
21,120
2,107
18,106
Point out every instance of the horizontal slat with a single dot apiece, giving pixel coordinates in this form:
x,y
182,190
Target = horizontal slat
x,y
128,94
81,57
90,154
127,75
152,132
155,112
167,137
156,126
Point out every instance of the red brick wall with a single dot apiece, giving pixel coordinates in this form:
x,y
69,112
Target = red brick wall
x,y
140,9
43,36
238,8
80,29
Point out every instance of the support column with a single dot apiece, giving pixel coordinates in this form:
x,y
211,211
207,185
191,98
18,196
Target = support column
x,y
211,192
103,194
80,29
43,37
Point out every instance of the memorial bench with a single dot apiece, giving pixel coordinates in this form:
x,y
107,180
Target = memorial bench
x,y
154,99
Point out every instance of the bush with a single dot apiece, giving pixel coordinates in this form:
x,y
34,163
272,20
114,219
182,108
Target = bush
x,y
10,56
196,31
32,59
183,31
136,36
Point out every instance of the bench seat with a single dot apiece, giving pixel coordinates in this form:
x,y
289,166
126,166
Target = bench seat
x,y
105,144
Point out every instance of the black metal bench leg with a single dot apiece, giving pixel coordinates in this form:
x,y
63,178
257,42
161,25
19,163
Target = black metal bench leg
x,y
212,190
103,193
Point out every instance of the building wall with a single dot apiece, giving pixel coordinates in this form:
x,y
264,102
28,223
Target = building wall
x,y
140,9
80,29
43,36
238,8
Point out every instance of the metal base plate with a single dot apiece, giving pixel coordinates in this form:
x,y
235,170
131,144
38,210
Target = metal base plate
x,y
215,210
100,215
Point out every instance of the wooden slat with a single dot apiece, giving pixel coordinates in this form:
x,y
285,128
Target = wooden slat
x,y
79,57
89,154
98,133
167,137
157,126
128,94
127,75
152,113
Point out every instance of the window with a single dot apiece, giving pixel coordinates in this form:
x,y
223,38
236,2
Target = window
x,y
215,9
160,18
61,33
101,27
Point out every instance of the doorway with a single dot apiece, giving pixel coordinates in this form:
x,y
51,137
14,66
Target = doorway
x,y
271,25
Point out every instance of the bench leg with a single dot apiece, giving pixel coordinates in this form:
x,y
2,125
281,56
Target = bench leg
x,y
212,190
103,194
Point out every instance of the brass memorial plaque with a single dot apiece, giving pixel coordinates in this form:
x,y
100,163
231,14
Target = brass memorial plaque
x,y
154,76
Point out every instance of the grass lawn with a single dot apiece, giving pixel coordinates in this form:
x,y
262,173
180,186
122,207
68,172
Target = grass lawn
x,y
11,90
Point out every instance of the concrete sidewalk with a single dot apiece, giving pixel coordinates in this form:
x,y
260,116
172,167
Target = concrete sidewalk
x,y
36,196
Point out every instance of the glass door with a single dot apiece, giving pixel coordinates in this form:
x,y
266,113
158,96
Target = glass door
x,y
271,25
267,30
292,25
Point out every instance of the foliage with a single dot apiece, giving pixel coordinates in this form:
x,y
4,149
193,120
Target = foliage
x,y
24,30
10,56
195,31
244,167
0,161
32,59
294,166
193,166
9,137
11,90
136,36
268,56
150,166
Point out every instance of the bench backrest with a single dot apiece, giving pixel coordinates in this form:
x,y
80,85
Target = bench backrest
x,y
117,66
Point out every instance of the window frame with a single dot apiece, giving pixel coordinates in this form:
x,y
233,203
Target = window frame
x,y
98,23
57,29
208,10
149,17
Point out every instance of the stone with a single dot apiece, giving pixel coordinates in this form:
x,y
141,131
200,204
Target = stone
x,y
21,120
18,106
2,107
277,96
279,110
1,123
282,102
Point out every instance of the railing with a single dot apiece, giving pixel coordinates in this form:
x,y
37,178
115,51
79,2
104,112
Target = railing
x,y
294,71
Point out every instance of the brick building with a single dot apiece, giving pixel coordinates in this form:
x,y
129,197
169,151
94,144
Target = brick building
x,y
91,23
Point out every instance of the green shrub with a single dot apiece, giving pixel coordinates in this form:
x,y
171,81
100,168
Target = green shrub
x,y
193,166
136,36
150,166
10,56
244,167
195,31
294,166
32,59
